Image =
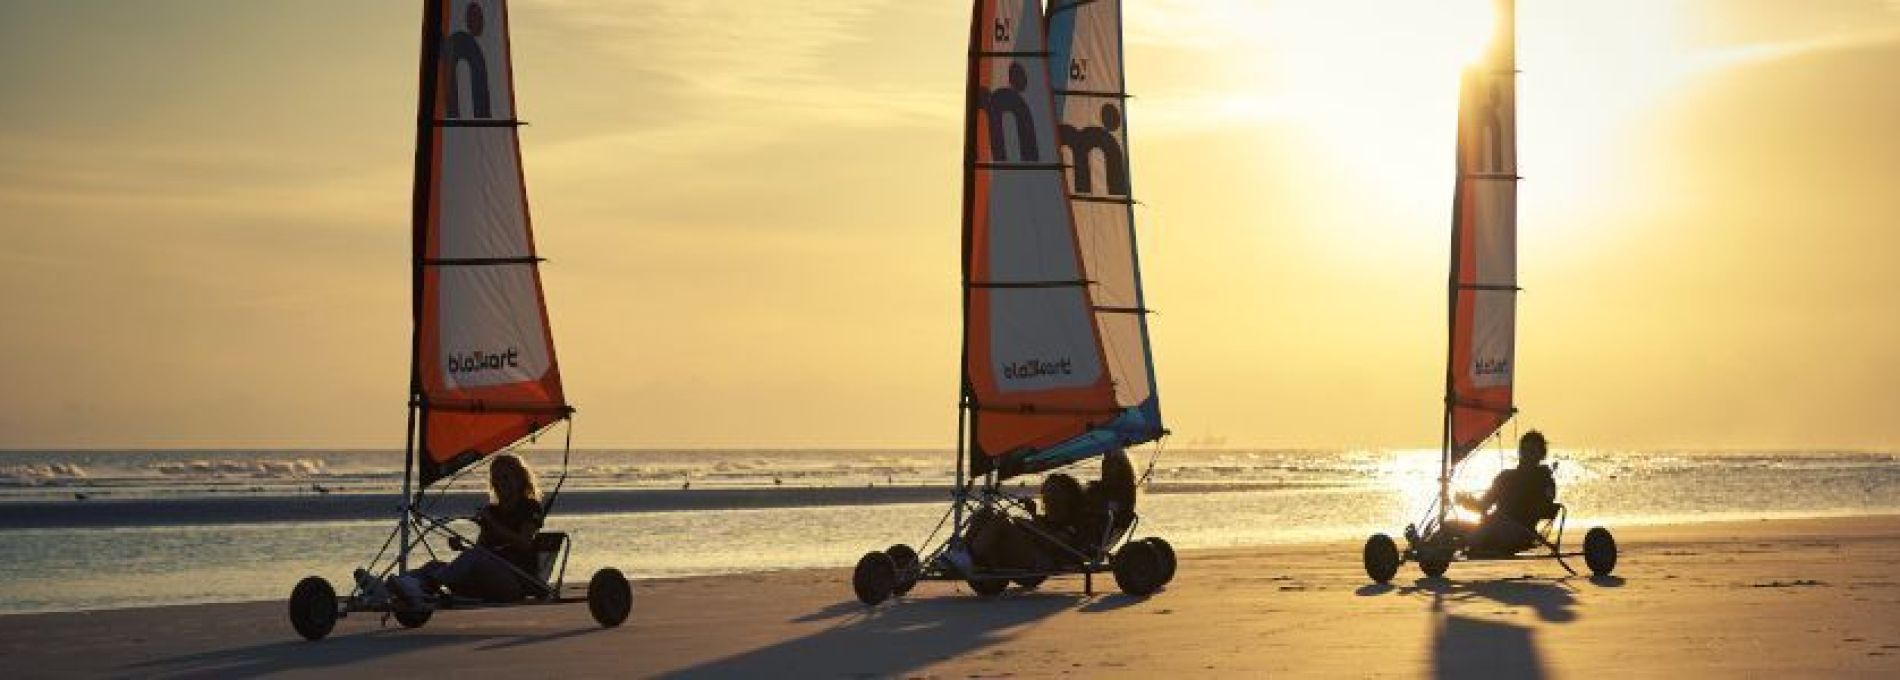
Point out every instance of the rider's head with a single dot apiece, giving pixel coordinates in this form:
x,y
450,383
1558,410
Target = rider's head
x,y
1531,449
510,480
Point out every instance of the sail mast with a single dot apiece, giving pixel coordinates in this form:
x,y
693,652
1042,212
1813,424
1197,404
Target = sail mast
x,y
965,397
426,96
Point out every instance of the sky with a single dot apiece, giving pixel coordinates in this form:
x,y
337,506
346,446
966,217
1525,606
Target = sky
x,y
751,216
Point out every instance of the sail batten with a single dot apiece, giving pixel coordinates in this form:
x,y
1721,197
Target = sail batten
x,y
1481,364
485,369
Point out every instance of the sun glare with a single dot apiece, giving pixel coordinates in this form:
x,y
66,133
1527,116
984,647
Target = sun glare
x,y
1373,80
1372,87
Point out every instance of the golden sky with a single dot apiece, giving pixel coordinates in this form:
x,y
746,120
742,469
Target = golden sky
x,y
751,215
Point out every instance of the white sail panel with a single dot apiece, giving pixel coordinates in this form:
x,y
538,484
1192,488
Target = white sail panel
x,y
1086,37
492,329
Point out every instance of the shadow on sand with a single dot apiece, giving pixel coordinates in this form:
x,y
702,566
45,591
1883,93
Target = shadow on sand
x,y
895,638
1467,646
291,655
335,651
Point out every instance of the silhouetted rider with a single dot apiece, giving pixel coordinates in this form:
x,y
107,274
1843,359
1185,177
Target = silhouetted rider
x,y
1518,499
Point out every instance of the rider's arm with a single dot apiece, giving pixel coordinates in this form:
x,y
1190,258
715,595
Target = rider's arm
x,y
516,536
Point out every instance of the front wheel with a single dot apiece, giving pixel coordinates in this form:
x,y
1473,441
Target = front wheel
x,y
1382,558
988,587
313,608
413,618
1599,551
875,578
609,597
1138,569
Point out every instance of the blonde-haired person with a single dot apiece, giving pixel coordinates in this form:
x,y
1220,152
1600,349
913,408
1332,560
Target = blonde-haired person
x,y
491,568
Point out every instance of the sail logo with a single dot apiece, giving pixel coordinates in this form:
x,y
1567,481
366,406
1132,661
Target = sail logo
x,y
462,49
479,361
1007,104
1085,143
1036,368
1491,367
1005,30
1078,69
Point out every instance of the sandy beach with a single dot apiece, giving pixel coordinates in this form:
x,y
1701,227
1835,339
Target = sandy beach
x,y
1775,598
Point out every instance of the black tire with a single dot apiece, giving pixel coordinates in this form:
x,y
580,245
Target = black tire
x,y
1599,551
988,587
413,618
1030,582
609,597
908,567
875,579
313,608
1434,564
1138,569
1382,558
1167,557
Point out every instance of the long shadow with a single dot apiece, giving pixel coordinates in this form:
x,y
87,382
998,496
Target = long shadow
x,y
1552,600
1464,646
290,655
893,639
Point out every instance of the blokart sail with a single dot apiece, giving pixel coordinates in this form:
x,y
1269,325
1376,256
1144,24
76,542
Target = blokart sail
x,y
1482,354
482,372
485,374
1085,44
1035,372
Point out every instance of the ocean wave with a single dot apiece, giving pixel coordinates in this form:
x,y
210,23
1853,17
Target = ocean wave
x,y
261,469
48,474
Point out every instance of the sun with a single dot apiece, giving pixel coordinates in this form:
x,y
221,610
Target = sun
x,y
1375,82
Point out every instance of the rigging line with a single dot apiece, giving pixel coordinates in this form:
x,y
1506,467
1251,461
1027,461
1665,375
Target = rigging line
x,y
380,552
1161,445
567,448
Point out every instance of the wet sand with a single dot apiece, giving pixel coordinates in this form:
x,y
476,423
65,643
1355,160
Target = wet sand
x,y
1764,599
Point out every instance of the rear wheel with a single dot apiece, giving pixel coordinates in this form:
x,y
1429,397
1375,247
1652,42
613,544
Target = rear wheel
x,y
1138,569
905,560
313,608
1167,557
875,579
1382,558
1434,562
609,597
1599,551
413,618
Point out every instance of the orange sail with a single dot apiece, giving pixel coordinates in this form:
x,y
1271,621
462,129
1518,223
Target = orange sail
x,y
1034,369
1484,248
484,372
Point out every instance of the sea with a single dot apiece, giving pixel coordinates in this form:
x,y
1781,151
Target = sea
x,y
102,529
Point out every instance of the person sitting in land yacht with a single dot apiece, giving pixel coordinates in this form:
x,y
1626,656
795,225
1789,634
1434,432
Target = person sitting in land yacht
x,y
1518,499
